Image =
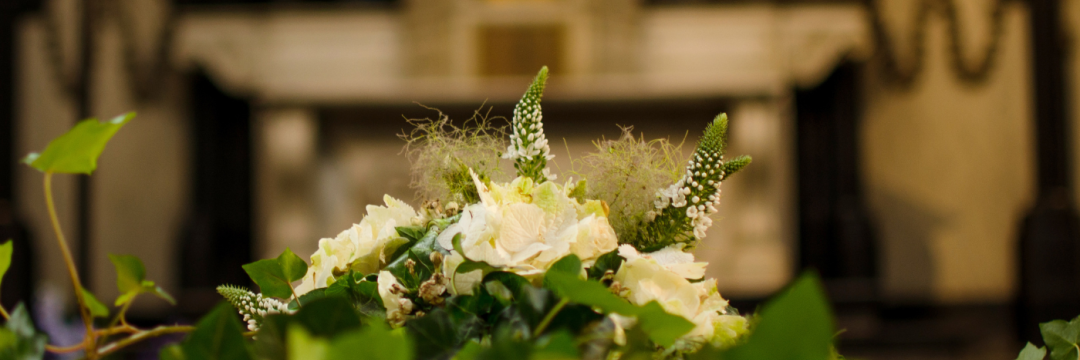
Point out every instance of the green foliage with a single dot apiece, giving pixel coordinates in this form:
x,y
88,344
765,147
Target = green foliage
x,y
363,292
625,174
528,146
131,280
1062,338
6,249
77,151
19,340
217,336
607,262
661,327
357,344
795,325
1032,352
413,266
442,153
97,309
275,276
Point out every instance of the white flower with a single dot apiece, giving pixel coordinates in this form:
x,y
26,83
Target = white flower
x,y
595,237
662,276
397,306
524,227
363,247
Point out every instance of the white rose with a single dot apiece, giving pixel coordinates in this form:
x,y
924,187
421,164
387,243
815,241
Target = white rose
x,y
647,281
595,237
362,247
671,258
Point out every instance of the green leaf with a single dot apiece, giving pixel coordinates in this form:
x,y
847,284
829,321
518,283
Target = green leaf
x,y
130,272
411,232
609,261
218,336
589,293
328,316
420,254
18,338
559,345
172,352
292,266
275,276
1061,338
358,344
303,346
438,334
97,309
77,151
1032,352
569,264
5,258
131,280
796,325
663,328
363,293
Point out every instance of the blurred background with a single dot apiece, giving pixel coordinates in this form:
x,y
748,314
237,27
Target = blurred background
x,y
918,154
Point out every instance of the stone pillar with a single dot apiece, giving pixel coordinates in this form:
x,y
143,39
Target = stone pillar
x,y
285,180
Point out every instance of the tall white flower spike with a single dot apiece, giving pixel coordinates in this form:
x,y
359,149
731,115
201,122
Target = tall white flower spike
x,y
528,146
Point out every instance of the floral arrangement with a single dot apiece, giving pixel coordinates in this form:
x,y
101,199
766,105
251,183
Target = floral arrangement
x,y
489,266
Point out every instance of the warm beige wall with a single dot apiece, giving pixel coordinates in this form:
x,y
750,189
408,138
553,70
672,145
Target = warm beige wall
x,y
140,188
948,166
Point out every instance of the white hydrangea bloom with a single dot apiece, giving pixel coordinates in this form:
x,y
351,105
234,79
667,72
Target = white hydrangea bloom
x,y
362,247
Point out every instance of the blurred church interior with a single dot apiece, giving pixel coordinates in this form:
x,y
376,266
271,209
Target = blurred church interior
x,y
917,154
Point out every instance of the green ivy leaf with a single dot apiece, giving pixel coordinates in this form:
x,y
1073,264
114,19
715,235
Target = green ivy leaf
x,y
663,328
364,294
438,334
130,272
275,276
559,345
328,316
77,151
1032,352
1061,338
569,265
796,325
420,254
292,265
131,280
218,336
302,345
97,309
19,340
391,345
6,250
609,261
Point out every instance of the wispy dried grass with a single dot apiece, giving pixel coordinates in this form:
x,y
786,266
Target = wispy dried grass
x,y
626,173
442,153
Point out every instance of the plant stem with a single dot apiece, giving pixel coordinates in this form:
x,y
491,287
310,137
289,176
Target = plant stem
x,y
4,313
83,309
550,316
142,335
100,334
